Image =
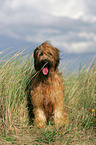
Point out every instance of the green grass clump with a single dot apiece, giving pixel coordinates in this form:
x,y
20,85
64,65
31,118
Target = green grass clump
x,y
81,97
14,74
80,103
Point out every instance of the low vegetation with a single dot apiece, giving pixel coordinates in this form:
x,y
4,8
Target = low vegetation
x,y
15,122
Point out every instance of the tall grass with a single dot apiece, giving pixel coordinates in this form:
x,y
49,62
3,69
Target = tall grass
x,y
80,103
14,74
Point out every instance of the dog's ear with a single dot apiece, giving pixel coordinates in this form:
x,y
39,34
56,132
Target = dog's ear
x,y
57,58
35,54
57,63
35,57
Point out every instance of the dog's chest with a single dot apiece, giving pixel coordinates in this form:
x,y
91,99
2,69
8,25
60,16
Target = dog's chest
x,y
48,88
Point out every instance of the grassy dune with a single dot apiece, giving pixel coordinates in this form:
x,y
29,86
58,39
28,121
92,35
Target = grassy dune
x,y
80,103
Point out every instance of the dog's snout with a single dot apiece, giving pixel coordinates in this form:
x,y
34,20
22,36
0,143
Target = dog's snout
x,y
46,63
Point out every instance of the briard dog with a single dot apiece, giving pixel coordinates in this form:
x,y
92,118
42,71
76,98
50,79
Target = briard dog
x,y
47,87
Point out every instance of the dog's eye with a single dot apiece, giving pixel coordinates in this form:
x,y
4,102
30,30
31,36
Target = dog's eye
x,y
41,54
49,53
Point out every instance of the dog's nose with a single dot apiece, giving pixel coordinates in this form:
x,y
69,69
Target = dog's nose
x,y
45,62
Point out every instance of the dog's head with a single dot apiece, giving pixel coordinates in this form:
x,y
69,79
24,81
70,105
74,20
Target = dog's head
x,y
46,58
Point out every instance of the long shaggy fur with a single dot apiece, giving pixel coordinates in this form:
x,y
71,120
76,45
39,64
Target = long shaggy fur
x,y
47,88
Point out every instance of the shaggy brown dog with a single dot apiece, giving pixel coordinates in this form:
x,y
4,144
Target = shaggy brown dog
x,y
47,88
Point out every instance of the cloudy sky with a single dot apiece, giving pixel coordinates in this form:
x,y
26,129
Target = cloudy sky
x,y
69,24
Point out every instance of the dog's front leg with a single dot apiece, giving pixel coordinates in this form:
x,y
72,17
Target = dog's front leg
x,y
60,117
40,118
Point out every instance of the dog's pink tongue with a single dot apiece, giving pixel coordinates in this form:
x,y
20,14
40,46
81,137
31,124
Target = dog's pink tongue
x,y
45,71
